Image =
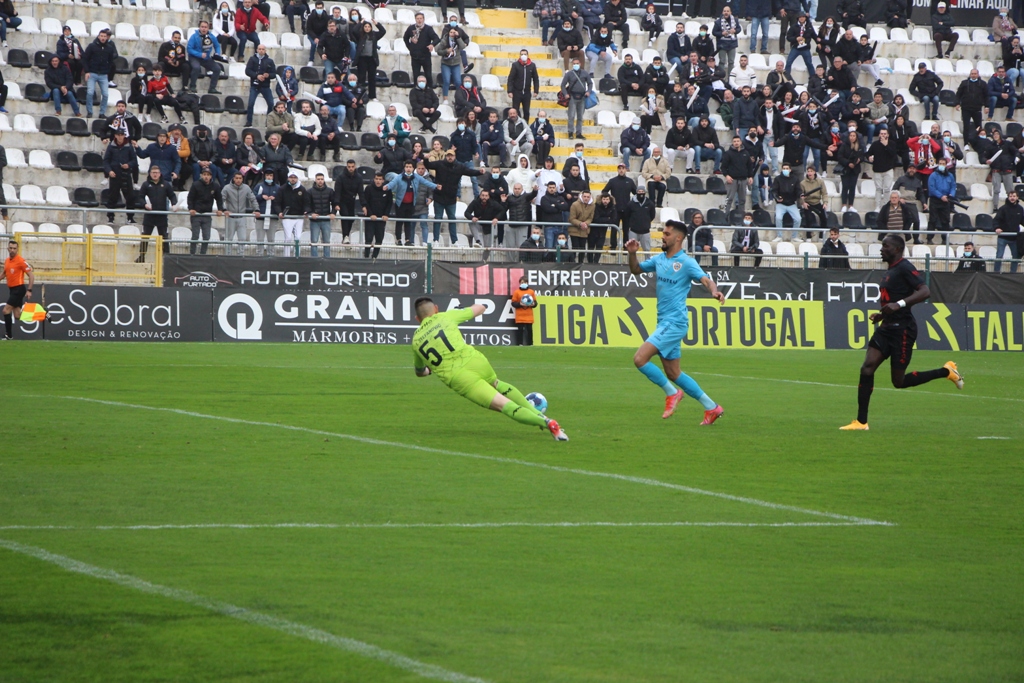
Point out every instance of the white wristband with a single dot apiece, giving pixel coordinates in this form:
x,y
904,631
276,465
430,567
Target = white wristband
x,y
902,303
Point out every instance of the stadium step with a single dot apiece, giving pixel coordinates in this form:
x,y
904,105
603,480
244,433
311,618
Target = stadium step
x,y
527,41
593,152
543,72
502,18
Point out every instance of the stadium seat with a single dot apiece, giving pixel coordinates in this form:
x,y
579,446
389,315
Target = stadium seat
x,y
870,219
5,123
16,158
851,219
370,142
673,186
103,230
40,159
143,62
693,185
944,67
716,217
809,248
981,191
985,68
921,251
169,31
447,113
257,136
375,110
983,221
785,249
866,188
233,104
68,161
947,98
91,162
763,219
31,194
10,194
19,59
366,174
902,65
232,133
401,79
626,119
51,125
151,130
981,36
607,119
348,141
35,92
57,195
491,82
97,26
51,26
121,66
921,36
236,71
668,213
181,234
42,59
962,194
151,33
608,85
291,41
210,104
311,75
716,185
962,221
78,128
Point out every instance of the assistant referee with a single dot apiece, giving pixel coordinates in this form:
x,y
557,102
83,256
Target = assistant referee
x,y
15,270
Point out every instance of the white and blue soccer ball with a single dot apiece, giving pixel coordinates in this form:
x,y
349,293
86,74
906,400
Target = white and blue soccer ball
x,y
527,300
538,401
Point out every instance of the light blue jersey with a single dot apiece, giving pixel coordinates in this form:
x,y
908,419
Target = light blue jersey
x,y
674,274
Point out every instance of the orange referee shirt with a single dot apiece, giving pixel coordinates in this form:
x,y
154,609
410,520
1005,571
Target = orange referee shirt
x,y
16,269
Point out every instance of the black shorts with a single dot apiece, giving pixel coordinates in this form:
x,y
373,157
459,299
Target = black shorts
x,y
16,298
896,343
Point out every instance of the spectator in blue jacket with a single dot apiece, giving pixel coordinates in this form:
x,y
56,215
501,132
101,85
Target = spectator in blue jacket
x,y
1001,94
941,190
406,188
164,155
331,94
202,48
98,63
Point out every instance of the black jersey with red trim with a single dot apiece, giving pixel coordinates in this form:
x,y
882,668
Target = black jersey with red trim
x,y
899,282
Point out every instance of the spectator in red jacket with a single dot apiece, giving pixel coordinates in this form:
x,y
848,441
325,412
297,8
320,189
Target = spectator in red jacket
x,y
246,19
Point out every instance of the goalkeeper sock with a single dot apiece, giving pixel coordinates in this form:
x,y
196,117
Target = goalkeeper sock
x,y
656,375
514,395
9,324
524,415
693,390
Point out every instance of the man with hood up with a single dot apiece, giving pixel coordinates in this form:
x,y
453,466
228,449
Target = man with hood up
x,y
522,174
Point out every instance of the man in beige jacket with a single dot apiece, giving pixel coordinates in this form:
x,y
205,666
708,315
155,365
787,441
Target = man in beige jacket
x,y
581,215
656,173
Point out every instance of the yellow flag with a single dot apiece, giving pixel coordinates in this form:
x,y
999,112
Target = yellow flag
x,y
32,313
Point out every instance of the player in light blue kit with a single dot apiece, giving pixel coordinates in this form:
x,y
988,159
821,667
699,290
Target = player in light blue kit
x,y
675,270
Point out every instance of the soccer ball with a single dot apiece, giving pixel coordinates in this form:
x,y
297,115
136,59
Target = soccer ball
x,y
538,401
527,301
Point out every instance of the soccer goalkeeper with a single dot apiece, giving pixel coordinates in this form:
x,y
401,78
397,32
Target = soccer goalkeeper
x,y
438,348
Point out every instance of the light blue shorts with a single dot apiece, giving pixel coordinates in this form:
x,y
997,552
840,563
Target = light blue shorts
x,y
668,338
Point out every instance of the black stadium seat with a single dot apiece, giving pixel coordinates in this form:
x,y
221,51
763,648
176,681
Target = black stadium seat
x,y
210,104
886,94
257,136
233,104
871,219
68,161
142,61
763,219
673,186
92,162
151,130
716,185
366,173
336,172
348,141
947,98
961,221
608,86
401,79
693,185
78,127
311,75
983,221
736,217
42,58
85,196
19,58
445,142
51,125
232,135
833,219
990,126
100,128
716,217
35,92
382,79
865,94
688,214
851,219
962,194
414,138
370,141
1013,129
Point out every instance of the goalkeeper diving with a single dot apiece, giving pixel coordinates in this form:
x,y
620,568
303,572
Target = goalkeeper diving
x,y
439,349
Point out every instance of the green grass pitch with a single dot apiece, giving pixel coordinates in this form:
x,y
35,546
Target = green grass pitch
x,y
678,586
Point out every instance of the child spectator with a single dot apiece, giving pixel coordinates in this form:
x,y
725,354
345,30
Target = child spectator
x,y
524,312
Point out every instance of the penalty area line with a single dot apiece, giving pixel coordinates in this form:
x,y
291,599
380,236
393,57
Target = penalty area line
x,y
292,628
431,525
491,458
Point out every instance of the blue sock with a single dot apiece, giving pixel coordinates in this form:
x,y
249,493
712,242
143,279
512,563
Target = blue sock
x,y
656,375
693,390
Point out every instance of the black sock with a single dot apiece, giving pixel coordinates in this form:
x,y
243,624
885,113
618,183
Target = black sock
x,y
915,378
9,324
864,389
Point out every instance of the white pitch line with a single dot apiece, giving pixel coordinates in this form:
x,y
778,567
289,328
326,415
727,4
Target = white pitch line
x,y
994,438
492,458
316,635
427,525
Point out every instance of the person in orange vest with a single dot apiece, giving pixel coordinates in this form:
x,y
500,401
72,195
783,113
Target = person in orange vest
x,y
524,300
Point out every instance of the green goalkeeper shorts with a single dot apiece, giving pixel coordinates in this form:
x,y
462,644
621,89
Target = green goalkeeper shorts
x,y
475,381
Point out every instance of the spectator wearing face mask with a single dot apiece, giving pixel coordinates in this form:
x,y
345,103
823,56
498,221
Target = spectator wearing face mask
x,y
639,215
746,241
634,140
524,311
392,158
353,96
941,189
424,103
786,191
449,48
971,262
531,250
599,52
522,81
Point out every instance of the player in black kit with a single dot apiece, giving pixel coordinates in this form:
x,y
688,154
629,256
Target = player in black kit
x,y
902,287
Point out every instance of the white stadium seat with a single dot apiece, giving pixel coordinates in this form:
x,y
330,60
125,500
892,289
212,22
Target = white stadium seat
x,y
10,193
626,118
14,91
105,230
375,110
383,15
981,36
922,36
473,51
57,195
77,27
181,234
878,34
125,31
447,113
97,26
807,248
965,37
269,39
169,31
944,67
28,25
490,82
15,158
402,109
921,251
985,68
31,194
473,19
291,41
40,158
5,124
183,6
51,27
275,9
150,33
899,35
981,191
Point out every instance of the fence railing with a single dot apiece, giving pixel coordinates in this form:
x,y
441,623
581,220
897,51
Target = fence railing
x,y
93,259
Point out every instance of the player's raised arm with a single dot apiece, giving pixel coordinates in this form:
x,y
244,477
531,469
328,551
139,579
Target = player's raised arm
x,y
478,310
713,288
632,246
